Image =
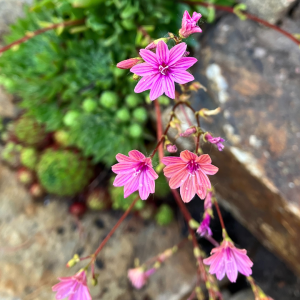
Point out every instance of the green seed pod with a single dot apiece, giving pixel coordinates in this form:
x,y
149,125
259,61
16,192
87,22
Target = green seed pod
x,y
132,100
29,158
164,215
109,99
140,114
123,115
89,105
135,130
29,132
63,172
70,117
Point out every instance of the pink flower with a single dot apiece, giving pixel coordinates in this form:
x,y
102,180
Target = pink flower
x,y
128,63
160,71
204,228
189,172
230,260
74,287
207,201
189,24
189,132
171,148
135,173
139,277
215,140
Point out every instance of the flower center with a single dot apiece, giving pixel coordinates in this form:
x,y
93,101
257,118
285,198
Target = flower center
x,y
142,166
192,166
163,69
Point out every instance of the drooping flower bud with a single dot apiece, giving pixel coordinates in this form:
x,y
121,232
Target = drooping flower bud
x,y
189,132
189,24
129,63
171,148
215,140
204,229
195,86
153,45
186,53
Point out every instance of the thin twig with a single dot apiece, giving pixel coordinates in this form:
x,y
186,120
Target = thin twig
x,y
30,35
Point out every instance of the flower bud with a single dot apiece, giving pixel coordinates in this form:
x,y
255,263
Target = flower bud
x,y
195,86
129,63
189,24
171,148
186,53
189,132
135,77
153,45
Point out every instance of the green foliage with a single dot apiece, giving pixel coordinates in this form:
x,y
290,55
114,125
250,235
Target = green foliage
x,y
118,200
63,172
29,158
164,215
29,132
11,154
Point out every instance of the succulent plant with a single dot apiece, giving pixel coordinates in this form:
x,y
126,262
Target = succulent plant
x,y
62,138
63,172
133,100
98,199
29,158
36,190
11,154
25,176
109,99
29,132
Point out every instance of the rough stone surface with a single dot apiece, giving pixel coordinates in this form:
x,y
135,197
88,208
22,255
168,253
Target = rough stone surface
x,y
270,10
10,10
36,241
253,74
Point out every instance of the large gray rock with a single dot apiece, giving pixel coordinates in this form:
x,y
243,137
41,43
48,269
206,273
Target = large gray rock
x,y
253,74
270,10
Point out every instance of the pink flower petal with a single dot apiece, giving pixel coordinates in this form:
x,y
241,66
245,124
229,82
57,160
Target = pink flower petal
x,y
137,155
203,180
157,87
178,179
196,16
209,169
187,190
171,160
176,53
169,86
131,186
144,84
200,190
144,69
173,169
204,159
230,266
187,155
182,77
144,188
184,63
152,174
123,168
149,57
123,158
122,179
162,53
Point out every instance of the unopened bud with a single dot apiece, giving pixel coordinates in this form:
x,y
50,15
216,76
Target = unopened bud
x,y
189,132
186,53
135,77
94,281
171,148
157,265
193,224
204,112
129,63
72,262
195,86
153,45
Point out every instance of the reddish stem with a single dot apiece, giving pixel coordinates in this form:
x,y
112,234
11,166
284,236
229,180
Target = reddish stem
x,y
115,228
40,31
249,16
188,217
219,214
159,129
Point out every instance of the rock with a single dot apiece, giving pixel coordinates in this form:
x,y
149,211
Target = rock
x,y
253,74
269,10
37,241
10,10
